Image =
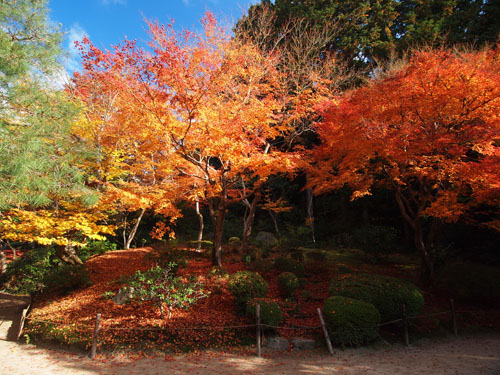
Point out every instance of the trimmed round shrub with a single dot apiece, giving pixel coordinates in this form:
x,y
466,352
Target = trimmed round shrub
x,y
289,265
288,284
351,322
473,283
270,312
261,265
386,293
245,285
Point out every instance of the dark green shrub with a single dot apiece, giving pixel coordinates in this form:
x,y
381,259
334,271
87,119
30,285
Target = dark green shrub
x,y
351,322
261,265
66,278
96,248
289,265
472,283
386,293
297,255
270,312
40,270
26,275
205,245
317,256
245,285
234,241
375,239
288,284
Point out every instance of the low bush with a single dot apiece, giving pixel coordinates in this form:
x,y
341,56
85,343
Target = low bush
x,y
261,265
96,248
40,270
351,322
159,285
26,275
289,265
270,312
66,278
386,293
471,283
375,240
288,284
245,285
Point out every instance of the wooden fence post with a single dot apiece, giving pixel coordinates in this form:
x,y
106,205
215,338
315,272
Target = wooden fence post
x,y
21,322
325,332
405,326
257,313
453,317
96,334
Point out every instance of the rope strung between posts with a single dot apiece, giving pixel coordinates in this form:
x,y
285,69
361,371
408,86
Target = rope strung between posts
x,y
297,327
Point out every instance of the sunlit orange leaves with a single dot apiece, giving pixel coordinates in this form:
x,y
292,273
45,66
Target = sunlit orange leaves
x,y
192,117
428,129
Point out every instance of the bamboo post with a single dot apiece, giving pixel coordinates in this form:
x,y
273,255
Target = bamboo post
x,y
21,322
325,332
257,313
453,317
96,334
405,326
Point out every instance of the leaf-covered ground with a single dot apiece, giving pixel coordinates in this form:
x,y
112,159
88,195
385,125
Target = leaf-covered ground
x,y
70,318
129,323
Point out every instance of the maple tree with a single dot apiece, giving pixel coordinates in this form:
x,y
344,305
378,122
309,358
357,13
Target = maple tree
x,y
203,108
428,130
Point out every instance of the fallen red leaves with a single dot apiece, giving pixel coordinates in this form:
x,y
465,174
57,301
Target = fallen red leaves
x,y
134,319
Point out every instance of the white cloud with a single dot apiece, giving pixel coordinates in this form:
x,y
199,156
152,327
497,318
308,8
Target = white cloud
x,y
72,61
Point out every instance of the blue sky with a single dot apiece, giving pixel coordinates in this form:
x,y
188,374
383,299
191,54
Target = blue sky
x,y
107,22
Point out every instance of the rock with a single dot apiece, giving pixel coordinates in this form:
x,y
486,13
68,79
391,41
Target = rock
x,y
303,344
123,296
276,342
266,238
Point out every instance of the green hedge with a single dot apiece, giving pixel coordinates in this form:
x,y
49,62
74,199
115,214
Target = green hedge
x,y
245,285
351,322
270,312
386,293
289,265
288,284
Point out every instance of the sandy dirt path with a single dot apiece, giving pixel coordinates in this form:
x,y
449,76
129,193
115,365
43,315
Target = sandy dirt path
x,y
465,355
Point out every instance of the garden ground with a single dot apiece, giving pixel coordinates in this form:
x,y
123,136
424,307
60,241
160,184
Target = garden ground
x,y
467,355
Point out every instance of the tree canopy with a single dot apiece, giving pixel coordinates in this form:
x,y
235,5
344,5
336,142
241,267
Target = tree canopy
x,y
428,130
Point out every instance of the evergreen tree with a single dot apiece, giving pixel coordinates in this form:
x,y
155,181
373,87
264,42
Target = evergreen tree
x,y
37,153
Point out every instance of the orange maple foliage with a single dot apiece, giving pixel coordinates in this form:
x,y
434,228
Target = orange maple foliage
x,y
199,111
428,130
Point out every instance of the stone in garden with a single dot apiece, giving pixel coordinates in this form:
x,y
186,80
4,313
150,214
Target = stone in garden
x,y
123,296
266,238
303,343
276,342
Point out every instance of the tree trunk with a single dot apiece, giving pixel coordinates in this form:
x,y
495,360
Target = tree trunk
x,y
202,225
427,265
134,229
3,262
220,215
310,212
68,254
422,244
248,221
275,221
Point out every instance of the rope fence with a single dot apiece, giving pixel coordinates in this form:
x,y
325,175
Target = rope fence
x,y
98,326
